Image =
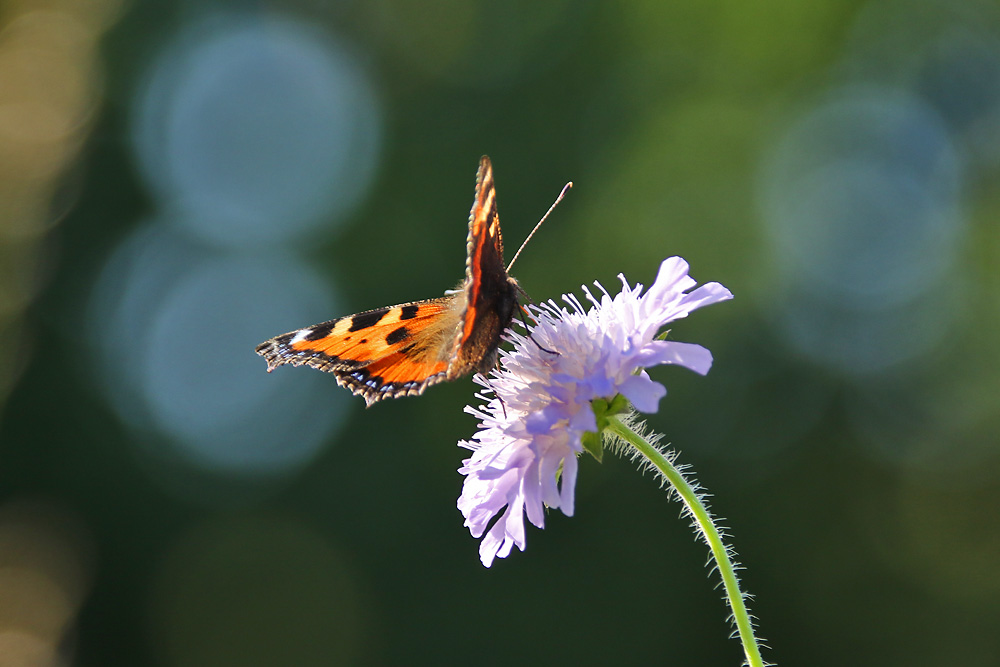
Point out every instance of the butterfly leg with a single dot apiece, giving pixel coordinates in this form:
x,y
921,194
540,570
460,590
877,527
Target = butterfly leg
x,y
521,311
489,386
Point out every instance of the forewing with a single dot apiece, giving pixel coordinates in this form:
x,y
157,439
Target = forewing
x,y
489,294
485,274
379,353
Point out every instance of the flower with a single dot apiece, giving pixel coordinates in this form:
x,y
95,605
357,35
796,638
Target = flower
x,y
524,455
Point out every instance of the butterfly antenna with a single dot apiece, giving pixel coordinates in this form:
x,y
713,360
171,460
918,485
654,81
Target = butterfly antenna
x,y
558,199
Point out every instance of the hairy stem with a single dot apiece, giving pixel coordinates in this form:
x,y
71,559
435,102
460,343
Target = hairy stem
x,y
710,532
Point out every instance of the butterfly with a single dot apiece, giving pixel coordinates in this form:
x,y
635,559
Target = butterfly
x,y
401,350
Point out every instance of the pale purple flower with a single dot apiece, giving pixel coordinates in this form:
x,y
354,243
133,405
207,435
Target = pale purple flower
x,y
524,456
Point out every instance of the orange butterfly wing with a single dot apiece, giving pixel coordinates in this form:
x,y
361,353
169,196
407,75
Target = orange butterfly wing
x,y
401,350
490,294
386,352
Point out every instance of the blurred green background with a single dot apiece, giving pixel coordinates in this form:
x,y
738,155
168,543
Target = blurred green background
x,y
180,180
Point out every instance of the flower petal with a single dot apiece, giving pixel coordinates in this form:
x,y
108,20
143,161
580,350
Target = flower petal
x,y
672,280
688,355
643,393
524,456
706,295
584,420
568,487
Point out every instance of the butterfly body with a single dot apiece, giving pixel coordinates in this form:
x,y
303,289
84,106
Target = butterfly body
x,y
401,350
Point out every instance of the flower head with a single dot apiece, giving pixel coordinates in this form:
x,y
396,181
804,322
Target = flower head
x,y
524,456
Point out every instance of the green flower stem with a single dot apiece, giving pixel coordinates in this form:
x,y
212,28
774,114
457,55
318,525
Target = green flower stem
x,y
708,528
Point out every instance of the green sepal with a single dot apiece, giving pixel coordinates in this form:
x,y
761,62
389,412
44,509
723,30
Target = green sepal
x,y
592,441
619,406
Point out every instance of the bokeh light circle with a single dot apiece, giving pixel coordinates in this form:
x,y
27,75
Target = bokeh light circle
x,y
860,200
46,564
947,53
861,197
260,129
174,325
